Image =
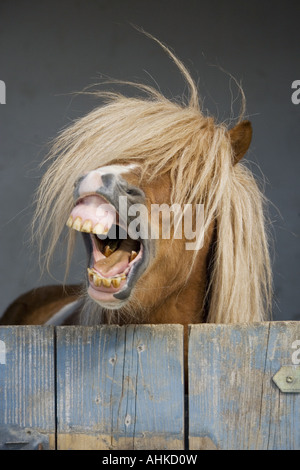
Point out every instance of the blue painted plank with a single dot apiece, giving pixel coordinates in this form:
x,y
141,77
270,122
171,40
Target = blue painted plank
x,y
27,388
233,401
120,387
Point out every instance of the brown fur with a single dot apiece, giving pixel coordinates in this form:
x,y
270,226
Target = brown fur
x,y
240,137
37,306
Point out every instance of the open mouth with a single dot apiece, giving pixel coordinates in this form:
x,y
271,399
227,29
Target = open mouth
x,y
115,260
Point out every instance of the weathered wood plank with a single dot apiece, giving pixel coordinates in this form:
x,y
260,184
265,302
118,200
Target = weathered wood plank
x,y
233,401
120,387
27,388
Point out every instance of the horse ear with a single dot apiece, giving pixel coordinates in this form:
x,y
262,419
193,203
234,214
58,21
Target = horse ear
x,y
240,137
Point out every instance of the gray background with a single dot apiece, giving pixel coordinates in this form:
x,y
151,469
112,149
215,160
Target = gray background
x,y
51,48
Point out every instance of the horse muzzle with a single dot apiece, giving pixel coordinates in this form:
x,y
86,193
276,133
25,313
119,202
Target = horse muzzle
x,y
116,259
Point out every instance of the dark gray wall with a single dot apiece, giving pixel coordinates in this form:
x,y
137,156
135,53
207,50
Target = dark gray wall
x,y
51,48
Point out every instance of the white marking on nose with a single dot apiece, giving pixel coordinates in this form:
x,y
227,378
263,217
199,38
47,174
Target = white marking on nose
x,y
90,183
93,180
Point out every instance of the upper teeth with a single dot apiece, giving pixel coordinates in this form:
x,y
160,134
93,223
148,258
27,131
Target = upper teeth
x,y
86,226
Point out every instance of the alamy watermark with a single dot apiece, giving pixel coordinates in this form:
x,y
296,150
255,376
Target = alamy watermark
x,y
2,92
296,354
296,94
160,222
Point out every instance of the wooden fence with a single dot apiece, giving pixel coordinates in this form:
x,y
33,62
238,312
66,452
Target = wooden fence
x,y
112,387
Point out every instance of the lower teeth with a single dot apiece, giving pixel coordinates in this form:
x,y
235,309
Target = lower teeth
x,y
105,281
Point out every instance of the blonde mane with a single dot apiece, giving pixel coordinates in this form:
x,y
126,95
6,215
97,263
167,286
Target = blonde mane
x,y
167,136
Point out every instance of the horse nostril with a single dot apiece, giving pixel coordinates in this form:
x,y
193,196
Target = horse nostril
x,y
134,192
131,192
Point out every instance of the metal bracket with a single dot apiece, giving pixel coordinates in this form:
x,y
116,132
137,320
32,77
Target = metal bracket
x,y
287,379
13,437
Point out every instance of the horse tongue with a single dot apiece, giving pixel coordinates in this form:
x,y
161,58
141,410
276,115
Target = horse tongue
x,y
116,263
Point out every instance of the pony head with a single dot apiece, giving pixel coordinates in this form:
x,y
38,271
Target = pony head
x,y
111,174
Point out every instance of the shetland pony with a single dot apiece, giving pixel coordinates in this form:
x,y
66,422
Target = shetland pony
x,y
152,151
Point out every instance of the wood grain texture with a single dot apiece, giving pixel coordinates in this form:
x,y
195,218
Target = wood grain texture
x,y
120,387
27,388
233,401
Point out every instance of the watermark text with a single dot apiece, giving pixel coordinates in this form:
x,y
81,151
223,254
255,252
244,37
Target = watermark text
x,y
296,94
160,221
2,92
